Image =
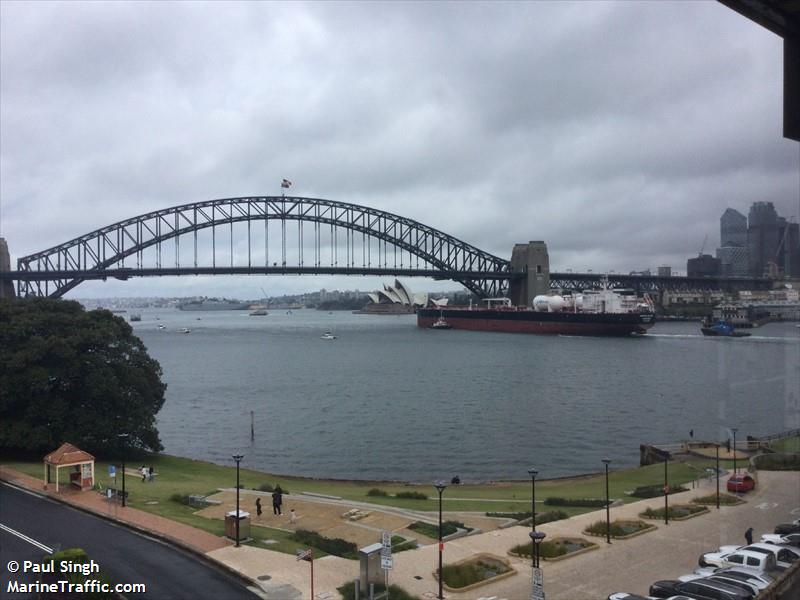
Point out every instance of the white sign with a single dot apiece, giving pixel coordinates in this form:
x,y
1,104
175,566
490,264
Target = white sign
x,y
537,589
386,562
386,539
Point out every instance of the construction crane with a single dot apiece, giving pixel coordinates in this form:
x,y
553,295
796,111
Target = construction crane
x,y
703,247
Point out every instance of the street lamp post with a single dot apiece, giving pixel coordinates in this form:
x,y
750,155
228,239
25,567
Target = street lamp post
x,y
124,438
533,473
666,491
717,476
440,487
734,430
537,587
608,508
237,458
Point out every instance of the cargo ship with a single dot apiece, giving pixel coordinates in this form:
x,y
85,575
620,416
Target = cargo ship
x,y
214,304
604,312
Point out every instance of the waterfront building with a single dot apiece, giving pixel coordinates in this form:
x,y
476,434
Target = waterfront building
x,y
704,265
732,228
665,271
733,261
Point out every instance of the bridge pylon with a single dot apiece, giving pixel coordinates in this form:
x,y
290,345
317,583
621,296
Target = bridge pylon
x,y
532,260
6,286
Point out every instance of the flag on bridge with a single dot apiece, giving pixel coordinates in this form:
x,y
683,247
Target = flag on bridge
x,y
286,184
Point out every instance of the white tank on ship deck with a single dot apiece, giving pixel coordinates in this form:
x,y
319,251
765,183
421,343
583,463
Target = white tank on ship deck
x,y
541,303
555,303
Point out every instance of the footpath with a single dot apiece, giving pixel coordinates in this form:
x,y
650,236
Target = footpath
x,y
625,565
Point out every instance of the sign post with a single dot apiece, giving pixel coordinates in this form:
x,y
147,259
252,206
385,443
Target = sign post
x,y
537,589
386,557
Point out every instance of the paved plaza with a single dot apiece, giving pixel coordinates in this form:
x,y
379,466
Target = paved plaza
x,y
625,565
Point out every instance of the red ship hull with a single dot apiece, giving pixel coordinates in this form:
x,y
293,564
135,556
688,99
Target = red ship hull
x,y
531,321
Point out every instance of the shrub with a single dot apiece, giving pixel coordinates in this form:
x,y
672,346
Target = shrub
x,y
586,502
377,492
459,576
711,499
399,544
265,487
348,590
411,495
653,491
432,531
75,556
542,517
617,528
552,548
335,546
682,510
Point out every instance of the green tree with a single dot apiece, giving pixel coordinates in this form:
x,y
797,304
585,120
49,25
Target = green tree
x,y
71,375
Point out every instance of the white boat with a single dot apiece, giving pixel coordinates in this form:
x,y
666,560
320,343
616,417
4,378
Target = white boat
x,y
327,336
162,326
185,330
259,311
440,323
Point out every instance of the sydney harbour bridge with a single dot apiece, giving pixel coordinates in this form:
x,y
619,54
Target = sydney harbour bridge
x,y
284,235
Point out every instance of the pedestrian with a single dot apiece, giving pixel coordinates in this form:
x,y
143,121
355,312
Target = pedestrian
x,y
748,535
258,507
277,500
691,433
143,471
292,517
151,473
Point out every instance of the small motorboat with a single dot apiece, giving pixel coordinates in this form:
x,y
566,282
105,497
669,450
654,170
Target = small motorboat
x,y
721,329
259,312
185,330
162,326
327,336
440,323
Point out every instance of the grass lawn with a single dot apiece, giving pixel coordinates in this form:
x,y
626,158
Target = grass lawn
x,y
185,476
790,444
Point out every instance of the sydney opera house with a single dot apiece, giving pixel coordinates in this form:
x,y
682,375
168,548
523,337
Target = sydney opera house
x,y
396,299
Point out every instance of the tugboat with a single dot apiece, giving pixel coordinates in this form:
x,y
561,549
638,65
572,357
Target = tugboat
x,y
721,329
440,323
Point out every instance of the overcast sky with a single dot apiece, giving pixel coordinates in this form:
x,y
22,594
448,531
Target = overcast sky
x,y
617,132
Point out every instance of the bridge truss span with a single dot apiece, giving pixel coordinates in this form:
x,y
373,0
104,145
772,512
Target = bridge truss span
x,y
262,235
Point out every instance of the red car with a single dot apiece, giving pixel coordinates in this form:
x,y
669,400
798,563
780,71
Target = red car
x,y
741,483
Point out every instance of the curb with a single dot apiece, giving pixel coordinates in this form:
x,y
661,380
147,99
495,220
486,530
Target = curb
x,y
148,532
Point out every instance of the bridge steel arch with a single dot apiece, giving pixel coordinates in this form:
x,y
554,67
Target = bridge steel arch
x,y
449,258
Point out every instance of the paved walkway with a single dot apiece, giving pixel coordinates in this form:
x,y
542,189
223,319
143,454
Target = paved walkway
x,y
625,565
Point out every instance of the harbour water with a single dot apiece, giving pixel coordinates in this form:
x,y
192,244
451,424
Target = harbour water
x,y
389,401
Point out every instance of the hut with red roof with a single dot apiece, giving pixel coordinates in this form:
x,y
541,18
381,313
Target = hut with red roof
x,y
80,463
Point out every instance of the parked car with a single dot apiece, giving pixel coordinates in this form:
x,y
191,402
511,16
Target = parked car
x,y
626,596
741,483
790,539
784,528
741,583
760,580
784,555
699,590
759,561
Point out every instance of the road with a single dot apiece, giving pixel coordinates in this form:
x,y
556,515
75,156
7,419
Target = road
x,y
126,556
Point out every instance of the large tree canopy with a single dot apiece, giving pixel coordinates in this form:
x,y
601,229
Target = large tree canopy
x,y
71,375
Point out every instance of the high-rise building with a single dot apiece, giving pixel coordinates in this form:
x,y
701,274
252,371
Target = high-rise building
x,y
704,265
733,261
732,229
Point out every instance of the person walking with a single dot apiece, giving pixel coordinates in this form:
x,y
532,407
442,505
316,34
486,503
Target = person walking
x,y
143,471
151,473
748,536
292,517
277,500
258,507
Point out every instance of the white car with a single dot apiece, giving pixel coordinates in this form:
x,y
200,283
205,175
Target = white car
x,y
789,539
763,562
784,555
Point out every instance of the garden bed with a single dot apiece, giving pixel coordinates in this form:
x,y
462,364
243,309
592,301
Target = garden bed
x,y
678,512
724,500
620,529
475,571
556,549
